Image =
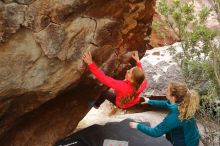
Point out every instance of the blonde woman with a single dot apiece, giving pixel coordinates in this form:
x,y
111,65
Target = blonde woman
x,y
179,123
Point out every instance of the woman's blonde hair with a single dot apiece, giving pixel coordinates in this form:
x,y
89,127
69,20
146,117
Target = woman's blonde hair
x,y
138,77
188,100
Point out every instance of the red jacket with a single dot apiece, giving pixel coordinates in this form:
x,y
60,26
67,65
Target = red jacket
x,y
122,88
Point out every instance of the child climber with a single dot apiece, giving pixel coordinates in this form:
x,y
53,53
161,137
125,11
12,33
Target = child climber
x,y
180,123
127,91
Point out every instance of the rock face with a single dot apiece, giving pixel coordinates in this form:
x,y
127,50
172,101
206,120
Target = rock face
x,y
44,85
160,69
43,41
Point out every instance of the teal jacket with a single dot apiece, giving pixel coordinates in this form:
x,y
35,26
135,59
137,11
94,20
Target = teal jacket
x,y
171,124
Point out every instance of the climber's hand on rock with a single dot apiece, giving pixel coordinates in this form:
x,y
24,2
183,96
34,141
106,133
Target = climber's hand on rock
x,y
87,57
135,56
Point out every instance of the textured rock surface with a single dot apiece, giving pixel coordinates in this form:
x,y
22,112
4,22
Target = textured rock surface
x,y
160,69
44,86
48,48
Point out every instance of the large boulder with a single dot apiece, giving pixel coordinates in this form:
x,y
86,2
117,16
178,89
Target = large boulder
x,y
161,68
44,85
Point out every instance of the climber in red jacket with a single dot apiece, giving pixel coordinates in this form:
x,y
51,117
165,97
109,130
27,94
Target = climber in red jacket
x,y
127,91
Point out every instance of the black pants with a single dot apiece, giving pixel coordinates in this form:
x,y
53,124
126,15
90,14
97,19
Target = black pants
x,y
105,95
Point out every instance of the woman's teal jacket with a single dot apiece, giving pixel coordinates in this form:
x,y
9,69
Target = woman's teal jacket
x,y
172,125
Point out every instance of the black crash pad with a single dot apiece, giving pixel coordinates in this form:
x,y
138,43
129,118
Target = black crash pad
x,y
120,131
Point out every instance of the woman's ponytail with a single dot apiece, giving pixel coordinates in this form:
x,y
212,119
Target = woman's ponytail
x,y
188,100
190,105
